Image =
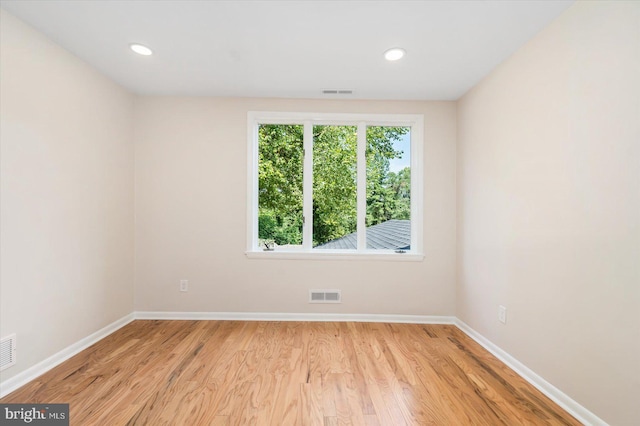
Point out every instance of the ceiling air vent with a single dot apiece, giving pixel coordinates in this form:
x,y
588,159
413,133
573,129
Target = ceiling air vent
x,y
337,92
7,352
325,296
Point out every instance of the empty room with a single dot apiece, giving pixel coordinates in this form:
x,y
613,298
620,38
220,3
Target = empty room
x,y
320,212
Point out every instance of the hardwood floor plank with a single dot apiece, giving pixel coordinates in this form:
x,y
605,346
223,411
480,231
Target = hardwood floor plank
x,y
368,354
220,421
426,394
358,377
309,412
371,420
330,421
289,373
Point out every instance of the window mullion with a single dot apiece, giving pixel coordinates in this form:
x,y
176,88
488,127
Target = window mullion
x,y
307,187
362,186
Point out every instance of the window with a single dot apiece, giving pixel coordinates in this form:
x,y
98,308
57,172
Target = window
x,y
334,185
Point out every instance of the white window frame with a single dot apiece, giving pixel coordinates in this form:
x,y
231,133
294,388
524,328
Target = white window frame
x,y
415,121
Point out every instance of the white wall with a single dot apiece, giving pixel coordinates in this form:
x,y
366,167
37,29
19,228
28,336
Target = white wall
x,y
549,206
66,215
191,180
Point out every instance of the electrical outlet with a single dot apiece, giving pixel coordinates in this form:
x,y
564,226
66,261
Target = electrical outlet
x,y
184,285
502,314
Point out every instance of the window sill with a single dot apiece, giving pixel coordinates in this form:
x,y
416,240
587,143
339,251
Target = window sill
x,y
335,255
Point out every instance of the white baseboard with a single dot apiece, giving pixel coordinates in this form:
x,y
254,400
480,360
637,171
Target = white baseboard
x,y
13,383
583,415
268,316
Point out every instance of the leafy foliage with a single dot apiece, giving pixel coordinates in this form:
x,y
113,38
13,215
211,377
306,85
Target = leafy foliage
x,y
381,202
280,162
334,182
400,185
280,181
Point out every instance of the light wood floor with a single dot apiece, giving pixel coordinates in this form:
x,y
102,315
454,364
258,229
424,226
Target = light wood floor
x,y
289,373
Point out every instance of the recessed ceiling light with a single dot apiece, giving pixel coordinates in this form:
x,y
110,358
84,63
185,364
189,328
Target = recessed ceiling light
x,y
140,49
394,54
